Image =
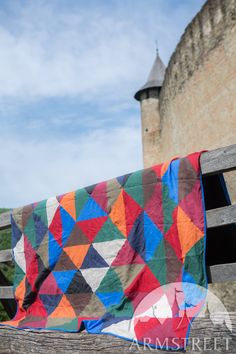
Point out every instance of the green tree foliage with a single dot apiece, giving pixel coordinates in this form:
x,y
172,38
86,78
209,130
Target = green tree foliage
x,y
7,269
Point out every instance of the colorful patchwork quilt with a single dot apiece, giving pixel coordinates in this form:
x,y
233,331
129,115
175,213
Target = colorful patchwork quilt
x,y
123,257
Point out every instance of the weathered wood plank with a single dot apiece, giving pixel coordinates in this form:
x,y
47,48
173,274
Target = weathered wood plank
x,y
220,273
5,256
24,341
6,292
219,160
8,304
5,220
221,216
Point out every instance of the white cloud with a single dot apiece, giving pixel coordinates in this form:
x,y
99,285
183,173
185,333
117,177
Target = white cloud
x,y
32,171
50,50
88,51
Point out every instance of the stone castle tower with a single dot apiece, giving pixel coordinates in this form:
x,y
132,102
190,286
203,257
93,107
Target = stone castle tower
x,y
191,106
148,95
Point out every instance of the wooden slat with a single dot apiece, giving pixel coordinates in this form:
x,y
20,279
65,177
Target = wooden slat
x,y
5,255
223,272
8,304
5,220
221,216
203,332
220,160
6,292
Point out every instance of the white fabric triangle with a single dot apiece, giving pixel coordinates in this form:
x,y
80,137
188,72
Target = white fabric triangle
x,y
109,249
51,206
19,254
94,276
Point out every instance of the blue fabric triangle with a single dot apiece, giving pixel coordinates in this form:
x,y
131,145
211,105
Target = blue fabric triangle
x,y
91,210
16,233
136,236
152,236
112,298
93,259
64,278
54,250
67,225
170,178
40,229
50,302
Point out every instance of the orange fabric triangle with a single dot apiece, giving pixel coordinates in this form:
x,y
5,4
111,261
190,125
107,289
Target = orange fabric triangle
x,y
77,253
68,203
189,234
117,214
20,292
164,167
63,310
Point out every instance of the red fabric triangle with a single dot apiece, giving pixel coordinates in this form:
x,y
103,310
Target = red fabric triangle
x,y
144,282
144,325
99,194
194,160
172,236
92,226
49,286
132,211
37,309
154,207
127,255
31,262
56,227
157,169
188,204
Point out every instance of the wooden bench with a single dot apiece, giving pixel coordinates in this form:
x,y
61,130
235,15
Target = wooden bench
x,y
212,163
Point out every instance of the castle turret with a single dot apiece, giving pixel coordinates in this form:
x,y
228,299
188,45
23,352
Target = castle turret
x,y
148,95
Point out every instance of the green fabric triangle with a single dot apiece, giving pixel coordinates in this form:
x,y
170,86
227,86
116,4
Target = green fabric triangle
x,y
124,309
194,263
29,231
81,197
134,187
108,232
157,264
18,276
70,326
41,211
110,278
168,207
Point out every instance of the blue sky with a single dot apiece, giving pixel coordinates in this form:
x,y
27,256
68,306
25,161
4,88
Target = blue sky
x,y
68,73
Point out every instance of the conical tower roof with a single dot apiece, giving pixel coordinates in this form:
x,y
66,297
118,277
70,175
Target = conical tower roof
x,y
155,78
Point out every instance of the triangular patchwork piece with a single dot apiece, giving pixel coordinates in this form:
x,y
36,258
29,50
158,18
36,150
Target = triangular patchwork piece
x,y
93,259
91,210
78,285
50,302
108,232
117,214
127,255
91,227
64,278
77,254
109,250
64,309
94,276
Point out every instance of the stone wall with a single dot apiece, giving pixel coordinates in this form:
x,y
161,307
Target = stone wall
x,y
198,98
